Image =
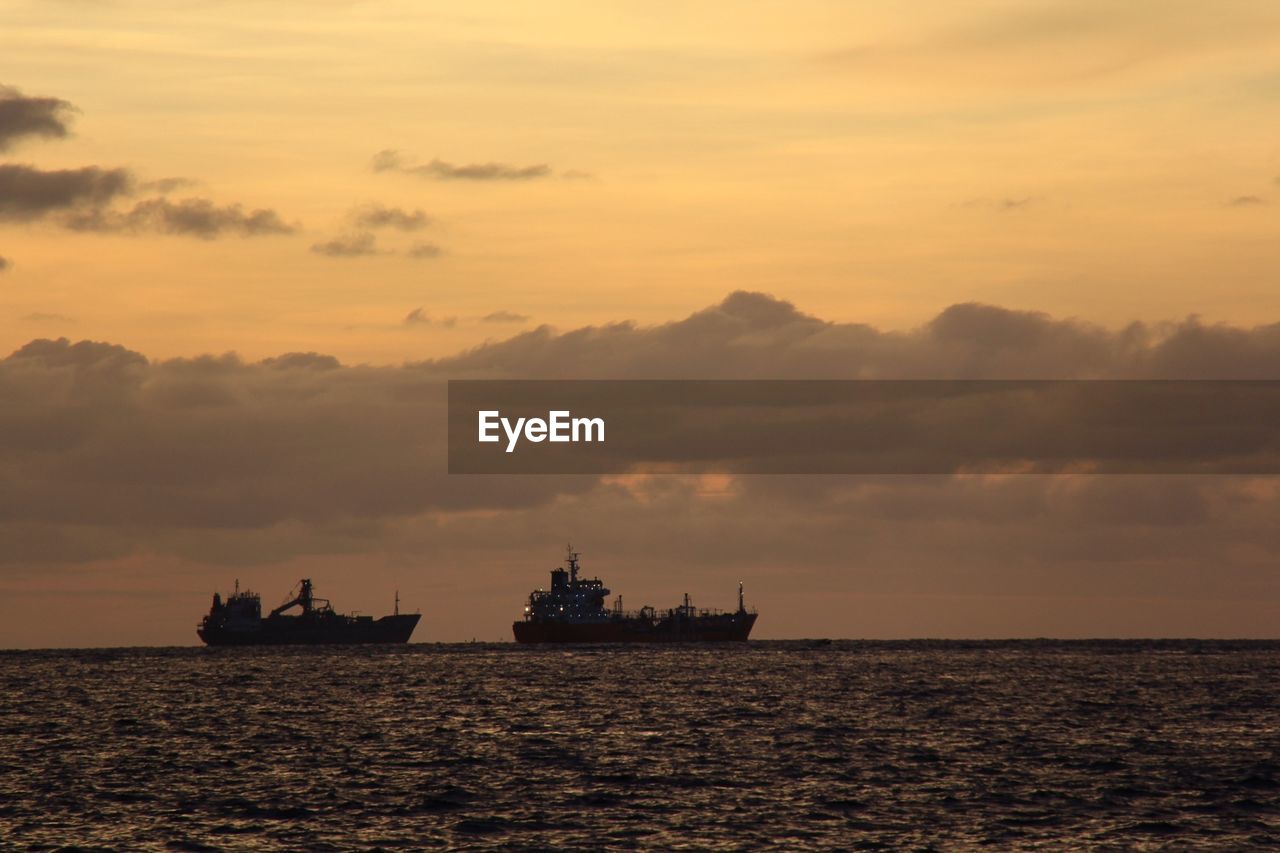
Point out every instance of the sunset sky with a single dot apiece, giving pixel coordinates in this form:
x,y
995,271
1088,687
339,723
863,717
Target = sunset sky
x,y
395,184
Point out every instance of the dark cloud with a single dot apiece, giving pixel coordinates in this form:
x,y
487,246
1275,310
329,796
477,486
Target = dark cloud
x,y
275,416
96,358
379,216
419,317
22,116
424,251
195,217
28,193
393,161
504,317
1246,201
84,196
4,263
348,246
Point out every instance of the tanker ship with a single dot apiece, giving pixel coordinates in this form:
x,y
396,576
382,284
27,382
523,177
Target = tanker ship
x,y
238,622
573,611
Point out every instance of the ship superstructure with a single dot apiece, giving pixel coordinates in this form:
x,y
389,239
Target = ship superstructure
x,y
573,611
238,621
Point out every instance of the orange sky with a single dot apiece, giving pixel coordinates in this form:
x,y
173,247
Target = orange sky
x,y
871,162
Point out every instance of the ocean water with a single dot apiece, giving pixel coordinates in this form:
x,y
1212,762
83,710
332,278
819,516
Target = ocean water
x,y
799,745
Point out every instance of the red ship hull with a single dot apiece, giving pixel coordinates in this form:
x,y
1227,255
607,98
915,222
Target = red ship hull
x,y
719,628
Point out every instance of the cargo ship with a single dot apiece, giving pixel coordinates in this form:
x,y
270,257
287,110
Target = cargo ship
x,y
238,621
574,611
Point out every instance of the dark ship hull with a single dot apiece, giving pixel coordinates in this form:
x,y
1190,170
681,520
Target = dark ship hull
x,y
238,621
730,628
295,631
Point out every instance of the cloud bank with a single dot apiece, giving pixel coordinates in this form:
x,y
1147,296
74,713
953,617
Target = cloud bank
x,y
209,432
215,461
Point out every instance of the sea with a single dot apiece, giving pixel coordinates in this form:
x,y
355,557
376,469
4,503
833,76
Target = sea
x,y
924,745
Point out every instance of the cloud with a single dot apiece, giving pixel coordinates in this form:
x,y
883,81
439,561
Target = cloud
x,y
307,360
84,196
504,317
4,263
1246,201
424,250
1003,205
1058,44
371,217
379,216
46,317
195,217
755,336
365,244
419,317
349,246
393,161
22,116
28,193
167,185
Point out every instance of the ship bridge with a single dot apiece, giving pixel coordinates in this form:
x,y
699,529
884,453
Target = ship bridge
x,y
570,598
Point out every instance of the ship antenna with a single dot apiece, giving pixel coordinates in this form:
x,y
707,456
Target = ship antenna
x,y
573,563
742,607
397,602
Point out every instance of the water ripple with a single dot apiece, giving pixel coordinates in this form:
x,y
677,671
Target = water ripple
x,y
801,746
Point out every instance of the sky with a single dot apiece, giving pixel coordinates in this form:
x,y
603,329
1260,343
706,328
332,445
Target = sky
x,y
277,228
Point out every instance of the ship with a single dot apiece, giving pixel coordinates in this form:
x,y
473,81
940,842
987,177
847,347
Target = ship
x,y
574,611
238,621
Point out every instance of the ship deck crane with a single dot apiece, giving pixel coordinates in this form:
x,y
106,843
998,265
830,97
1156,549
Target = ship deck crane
x,y
304,599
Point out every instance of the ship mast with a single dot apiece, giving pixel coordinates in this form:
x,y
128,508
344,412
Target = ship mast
x,y
573,564
742,607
